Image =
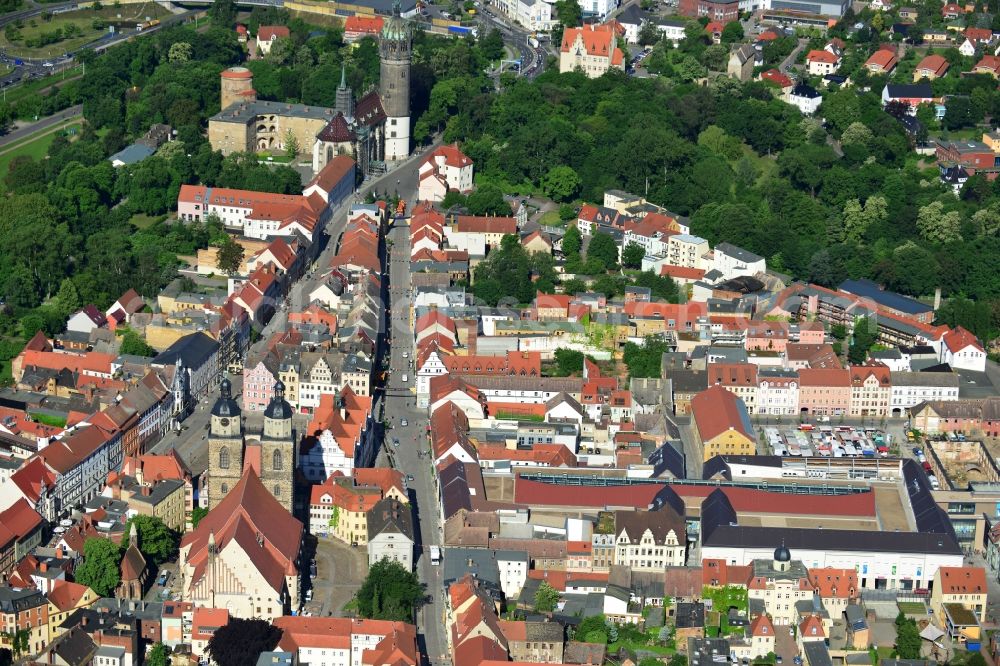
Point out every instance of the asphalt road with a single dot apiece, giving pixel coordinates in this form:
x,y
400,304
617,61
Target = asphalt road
x,y
412,453
516,37
43,124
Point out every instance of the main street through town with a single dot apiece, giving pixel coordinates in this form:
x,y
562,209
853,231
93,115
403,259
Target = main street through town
x,y
191,441
410,455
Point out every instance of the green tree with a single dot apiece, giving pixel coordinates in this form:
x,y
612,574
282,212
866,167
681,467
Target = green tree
x,y
390,592
937,226
865,331
487,200
197,514
572,241
546,598
568,362
100,568
569,12
240,642
678,660
907,638
157,542
732,33
649,34
179,52
20,641
561,183
158,655
291,144
632,255
132,344
223,13
604,250
230,256
592,629
645,360
68,296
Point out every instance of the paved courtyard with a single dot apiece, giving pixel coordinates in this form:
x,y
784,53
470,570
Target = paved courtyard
x,y
340,571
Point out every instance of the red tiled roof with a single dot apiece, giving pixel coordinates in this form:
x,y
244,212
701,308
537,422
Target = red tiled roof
x,y
249,513
761,626
979,34
732,374
371,25
716,410
962,580
486,225
934,64
330,175
824,377
205,621
66,595
822,55
598,40
268,32
884,59
20,519
959,338
834,583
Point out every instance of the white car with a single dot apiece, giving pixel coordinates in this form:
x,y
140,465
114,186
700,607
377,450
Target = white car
x,y
404,423
406,354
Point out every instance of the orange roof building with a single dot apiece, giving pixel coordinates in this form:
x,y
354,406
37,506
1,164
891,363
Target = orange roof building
x,y
882,61
722,423
592,49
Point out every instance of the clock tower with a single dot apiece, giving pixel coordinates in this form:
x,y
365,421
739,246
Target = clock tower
x,y
225,445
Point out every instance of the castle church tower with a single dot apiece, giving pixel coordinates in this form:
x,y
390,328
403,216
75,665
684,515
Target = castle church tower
x,y
395,45
277,444
225,446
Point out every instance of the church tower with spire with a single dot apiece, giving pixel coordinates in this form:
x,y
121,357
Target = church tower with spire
x,y
395,45
345,96
277,449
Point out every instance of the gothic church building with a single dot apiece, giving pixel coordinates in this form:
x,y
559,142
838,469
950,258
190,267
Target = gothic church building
x,y
271,454
373,130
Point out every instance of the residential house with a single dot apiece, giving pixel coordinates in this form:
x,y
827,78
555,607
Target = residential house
x,y
962,350
871,390
390,533
741,62
882,61
805,98
651,540
86,320
820,62
267,35
444,169
930,67
912,95
965,586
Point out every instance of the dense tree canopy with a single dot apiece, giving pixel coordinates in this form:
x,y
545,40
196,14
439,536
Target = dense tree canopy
x,y
241,641
389,592
100,568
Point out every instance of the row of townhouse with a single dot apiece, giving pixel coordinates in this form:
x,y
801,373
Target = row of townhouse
x,y
264,215
331,345
71,468
863,390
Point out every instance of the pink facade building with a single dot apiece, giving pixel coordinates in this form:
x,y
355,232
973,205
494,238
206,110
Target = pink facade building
x,y
824,391
258,386
767,336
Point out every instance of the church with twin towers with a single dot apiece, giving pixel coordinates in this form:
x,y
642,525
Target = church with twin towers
x,y
374,129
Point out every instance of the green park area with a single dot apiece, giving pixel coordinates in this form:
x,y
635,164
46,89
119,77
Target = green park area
x,y
36,145
50,35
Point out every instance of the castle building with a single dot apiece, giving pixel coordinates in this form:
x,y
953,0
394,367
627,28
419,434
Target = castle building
x,y
374,129
271,455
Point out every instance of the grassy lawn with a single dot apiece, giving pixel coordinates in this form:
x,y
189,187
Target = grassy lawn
x,y
912,608
142,221
551,219
85,25
49,420
36,145
727,597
